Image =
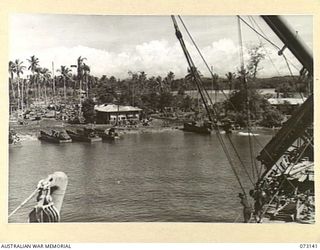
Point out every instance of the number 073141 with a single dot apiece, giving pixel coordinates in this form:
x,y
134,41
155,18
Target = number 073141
x,y
309,245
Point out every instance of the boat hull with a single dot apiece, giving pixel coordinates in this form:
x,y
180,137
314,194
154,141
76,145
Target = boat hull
x,y
189,127
105,136
45,136
53,139
108,137
82,138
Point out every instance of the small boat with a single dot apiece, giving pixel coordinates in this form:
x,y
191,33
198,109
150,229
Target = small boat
x,y
226,125
203,128
84,135
107,135
54,136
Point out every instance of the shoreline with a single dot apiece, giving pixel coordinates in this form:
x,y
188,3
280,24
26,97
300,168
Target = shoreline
x,y
33,127
157,125
30,131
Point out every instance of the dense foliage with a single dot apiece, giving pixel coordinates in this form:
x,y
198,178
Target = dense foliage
x,y
154,94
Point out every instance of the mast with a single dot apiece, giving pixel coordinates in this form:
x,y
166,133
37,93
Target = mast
x,y
195,74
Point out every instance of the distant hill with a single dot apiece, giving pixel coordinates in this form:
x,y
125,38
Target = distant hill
x,y
270,82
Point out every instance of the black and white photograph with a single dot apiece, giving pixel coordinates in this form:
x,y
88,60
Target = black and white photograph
x,y
160,118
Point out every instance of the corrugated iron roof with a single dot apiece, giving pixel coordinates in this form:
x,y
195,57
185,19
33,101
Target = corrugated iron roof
x,y
291,101
115,108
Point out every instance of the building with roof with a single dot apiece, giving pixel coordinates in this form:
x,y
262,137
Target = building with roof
x,y
110,113
286,105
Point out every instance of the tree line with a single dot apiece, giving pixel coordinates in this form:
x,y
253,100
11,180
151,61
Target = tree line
x,y
151,93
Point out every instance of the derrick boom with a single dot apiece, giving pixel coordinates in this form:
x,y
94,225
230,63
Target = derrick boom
x,y
302,119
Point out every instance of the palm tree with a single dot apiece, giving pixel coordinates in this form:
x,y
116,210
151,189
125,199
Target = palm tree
x,y
34,64
65,74
19,70
169,79
11,72
142,79
215,78
28,84
192,73
80,70
46,76
86,71
134,80
37,80
230,77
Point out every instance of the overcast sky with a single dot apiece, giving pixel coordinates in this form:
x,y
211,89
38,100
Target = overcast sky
x,y
113,45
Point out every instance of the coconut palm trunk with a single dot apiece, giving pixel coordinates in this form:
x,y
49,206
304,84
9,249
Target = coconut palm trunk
x,y
53,82
64,89
65,74
22,96
39,91
12,69
12,88
19,95
27,94
87,87
19,70
53,87
45,92
35,87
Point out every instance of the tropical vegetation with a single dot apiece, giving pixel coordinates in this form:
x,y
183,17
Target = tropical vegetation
x,y
154,94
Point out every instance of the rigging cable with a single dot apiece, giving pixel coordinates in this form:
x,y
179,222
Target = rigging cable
x,y
261,30
198,83
202,57
284,57
24,202
245,83
253,22
262,34
228,99
193,70
208,96
287,63
255,138
231,143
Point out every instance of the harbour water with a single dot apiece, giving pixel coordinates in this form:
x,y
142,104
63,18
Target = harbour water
x,y
169,176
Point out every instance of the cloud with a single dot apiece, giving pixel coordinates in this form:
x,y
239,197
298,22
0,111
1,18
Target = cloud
x,y
156,57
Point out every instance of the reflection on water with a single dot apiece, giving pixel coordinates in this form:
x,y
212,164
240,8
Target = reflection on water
x,y
168,176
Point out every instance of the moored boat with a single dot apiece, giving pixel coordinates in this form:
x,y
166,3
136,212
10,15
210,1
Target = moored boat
x,y
203,128
107,135
84,135
54,136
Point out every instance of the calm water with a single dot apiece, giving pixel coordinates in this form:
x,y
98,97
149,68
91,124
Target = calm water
x,y
168,176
